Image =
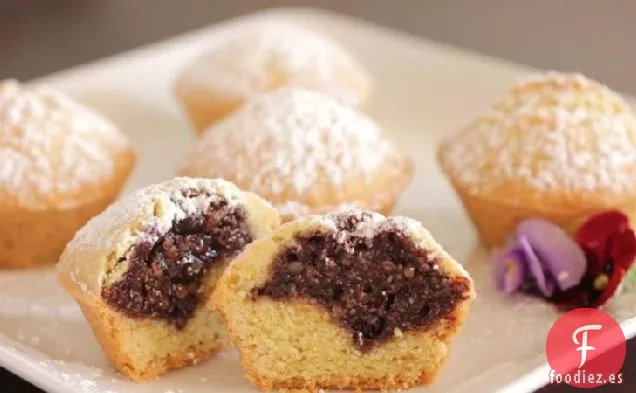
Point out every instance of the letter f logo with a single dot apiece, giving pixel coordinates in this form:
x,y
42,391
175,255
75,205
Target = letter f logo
x,y
583,343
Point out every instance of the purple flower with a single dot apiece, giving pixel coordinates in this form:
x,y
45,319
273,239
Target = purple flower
x,y
540,258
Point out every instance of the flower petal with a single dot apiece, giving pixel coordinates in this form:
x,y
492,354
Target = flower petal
x,y
510,270
558,253
596,232
544,283
623,248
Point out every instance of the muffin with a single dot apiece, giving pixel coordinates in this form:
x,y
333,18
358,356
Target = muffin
x,y
558,147
60,164
262,58
142,270
352,300
305,152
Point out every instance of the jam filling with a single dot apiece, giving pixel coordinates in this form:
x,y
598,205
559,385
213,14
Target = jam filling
x,y
375,287
165,276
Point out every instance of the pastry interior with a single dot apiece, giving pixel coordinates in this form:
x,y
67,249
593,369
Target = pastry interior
x,y
143,270
361,305
168,275
166,279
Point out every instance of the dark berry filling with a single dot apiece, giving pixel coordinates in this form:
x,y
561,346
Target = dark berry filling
x,y
165,276
372,285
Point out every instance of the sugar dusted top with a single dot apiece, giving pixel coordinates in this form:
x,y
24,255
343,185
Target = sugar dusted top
x,y
284,144
367,223
52,150
90,258
554,132
274,54
156,207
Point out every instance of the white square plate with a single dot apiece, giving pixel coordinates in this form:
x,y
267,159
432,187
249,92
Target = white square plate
x,y
424,90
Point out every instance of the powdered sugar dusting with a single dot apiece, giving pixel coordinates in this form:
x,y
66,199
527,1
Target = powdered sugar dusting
x,y
139,207
552,132
298,209
284,143
50,145
366,223
274,54
150,211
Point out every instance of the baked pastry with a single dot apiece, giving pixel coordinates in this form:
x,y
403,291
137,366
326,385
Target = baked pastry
x,y
304,152
346,301
559,147
262,58
60,164
141,270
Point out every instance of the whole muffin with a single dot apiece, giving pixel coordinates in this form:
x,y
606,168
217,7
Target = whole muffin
x,y
305,152
559,147
60,164
263,58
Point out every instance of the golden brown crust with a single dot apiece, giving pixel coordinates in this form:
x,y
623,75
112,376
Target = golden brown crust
x,y
496,220
35,238
204,108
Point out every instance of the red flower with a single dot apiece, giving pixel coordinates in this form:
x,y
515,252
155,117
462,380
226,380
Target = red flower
x,y
610,248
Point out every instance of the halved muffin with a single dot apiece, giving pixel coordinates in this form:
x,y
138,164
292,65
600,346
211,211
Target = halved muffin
x,y
142,270
346,301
